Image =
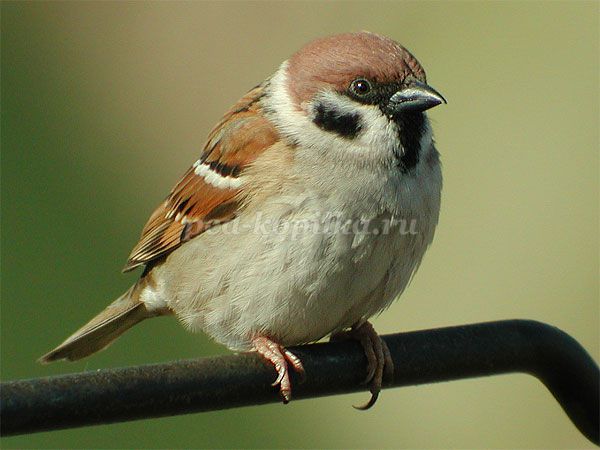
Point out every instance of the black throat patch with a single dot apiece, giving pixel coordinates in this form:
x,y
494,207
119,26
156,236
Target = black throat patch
x,y
411,127
346,125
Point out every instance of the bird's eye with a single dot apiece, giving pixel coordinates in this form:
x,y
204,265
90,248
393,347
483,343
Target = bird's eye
x,y
360,87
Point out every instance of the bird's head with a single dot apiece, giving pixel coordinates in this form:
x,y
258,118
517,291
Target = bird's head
x,y
360,92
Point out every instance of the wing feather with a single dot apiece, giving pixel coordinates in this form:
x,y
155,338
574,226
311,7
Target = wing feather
x,y
208,192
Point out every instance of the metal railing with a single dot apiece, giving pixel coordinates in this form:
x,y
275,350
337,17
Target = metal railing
x,y
207,384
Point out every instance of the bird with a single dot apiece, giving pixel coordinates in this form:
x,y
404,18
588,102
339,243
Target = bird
x,y
307,213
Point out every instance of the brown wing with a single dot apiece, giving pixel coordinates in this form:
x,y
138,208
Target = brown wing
x,y
209,192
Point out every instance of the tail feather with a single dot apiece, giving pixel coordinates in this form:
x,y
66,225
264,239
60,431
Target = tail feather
x,y
102,330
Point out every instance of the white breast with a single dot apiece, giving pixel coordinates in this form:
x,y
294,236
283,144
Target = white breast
x,y
278,270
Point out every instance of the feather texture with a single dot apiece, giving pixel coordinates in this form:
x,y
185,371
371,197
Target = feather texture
x,y
208,193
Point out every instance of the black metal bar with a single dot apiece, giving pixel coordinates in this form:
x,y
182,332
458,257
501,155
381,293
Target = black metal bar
x,y
206,384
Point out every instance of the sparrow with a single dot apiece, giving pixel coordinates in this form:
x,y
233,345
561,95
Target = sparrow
x,y
308,211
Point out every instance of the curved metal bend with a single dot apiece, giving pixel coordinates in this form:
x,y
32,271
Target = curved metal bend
x,y
206,384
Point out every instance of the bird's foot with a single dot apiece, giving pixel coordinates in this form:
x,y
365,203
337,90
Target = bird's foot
x,y
280,358
380,366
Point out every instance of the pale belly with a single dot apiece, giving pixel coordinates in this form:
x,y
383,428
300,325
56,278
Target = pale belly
x,y
294,286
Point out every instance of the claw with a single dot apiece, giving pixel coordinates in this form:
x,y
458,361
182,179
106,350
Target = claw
x,y
279,357
371,402
280,374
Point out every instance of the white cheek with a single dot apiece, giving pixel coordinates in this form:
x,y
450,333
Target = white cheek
x,y
378,131
372,145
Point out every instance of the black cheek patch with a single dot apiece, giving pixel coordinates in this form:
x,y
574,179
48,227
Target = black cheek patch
x,y
346,125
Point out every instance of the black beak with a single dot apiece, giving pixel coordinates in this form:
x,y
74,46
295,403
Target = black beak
x,y
415,97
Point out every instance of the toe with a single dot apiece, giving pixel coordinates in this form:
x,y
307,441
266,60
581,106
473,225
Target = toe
x,y
372,362
296,364
380,364
388,368
279,358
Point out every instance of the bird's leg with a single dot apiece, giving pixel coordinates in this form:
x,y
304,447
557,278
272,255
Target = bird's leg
x,y
380,365
279,357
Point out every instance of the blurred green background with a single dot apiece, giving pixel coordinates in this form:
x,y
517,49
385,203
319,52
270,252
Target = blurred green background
x,y
105,105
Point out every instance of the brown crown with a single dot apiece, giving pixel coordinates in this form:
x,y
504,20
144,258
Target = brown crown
x,y
335,61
